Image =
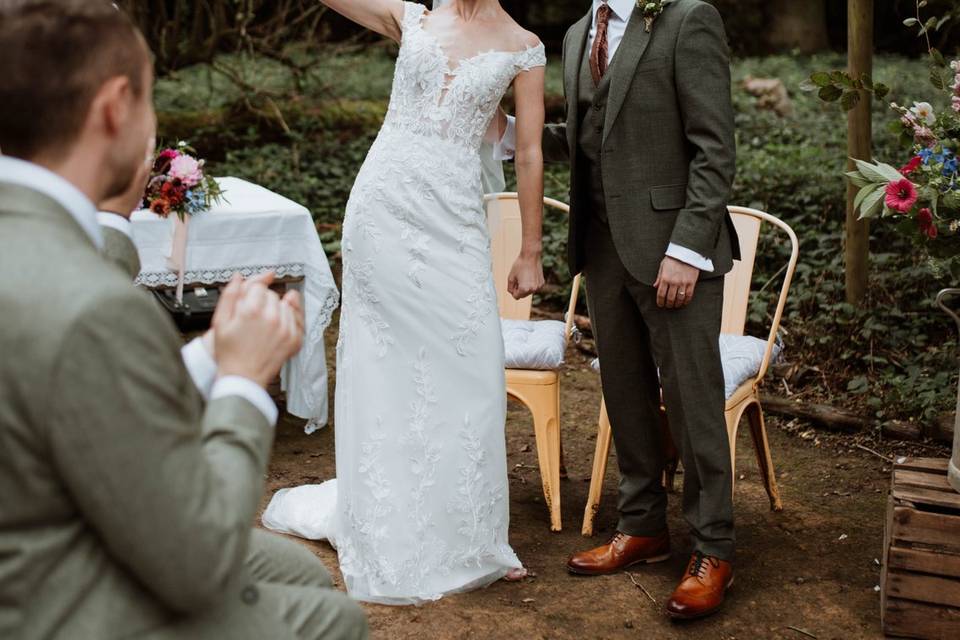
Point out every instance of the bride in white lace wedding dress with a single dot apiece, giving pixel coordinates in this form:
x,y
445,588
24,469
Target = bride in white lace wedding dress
x,y
420,505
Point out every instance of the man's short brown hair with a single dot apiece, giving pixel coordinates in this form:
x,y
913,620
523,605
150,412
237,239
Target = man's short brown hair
x,y
54,57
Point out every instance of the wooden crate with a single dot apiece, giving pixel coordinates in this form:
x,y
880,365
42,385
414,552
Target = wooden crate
x,y
920,582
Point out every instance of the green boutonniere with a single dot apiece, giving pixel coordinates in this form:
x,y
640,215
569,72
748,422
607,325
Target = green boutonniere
x,y
651,11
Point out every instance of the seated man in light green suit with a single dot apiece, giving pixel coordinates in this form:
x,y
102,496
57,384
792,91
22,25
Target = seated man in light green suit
x,y
126,501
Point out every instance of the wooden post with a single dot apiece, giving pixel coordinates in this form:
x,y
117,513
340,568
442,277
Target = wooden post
x,y
859,136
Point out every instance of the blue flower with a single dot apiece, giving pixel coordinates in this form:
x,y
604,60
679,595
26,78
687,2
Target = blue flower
x,y
943,155
950,167
195,202
926,154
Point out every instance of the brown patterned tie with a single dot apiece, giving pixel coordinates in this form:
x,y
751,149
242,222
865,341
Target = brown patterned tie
x,y
598,54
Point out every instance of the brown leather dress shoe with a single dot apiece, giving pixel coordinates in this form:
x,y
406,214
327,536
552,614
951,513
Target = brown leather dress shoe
x,y
701,591
621,552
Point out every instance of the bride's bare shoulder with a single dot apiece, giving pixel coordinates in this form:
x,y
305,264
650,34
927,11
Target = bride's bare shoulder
x,y
520,38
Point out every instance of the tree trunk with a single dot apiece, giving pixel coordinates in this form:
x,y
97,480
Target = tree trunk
x,y
859,145
798,24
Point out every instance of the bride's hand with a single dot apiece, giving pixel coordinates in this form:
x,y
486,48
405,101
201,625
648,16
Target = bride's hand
x,y
526,276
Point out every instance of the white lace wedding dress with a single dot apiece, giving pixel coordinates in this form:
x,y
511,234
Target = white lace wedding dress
x,y
420,505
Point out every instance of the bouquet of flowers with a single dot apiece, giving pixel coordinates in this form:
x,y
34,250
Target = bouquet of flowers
x,y
923,196
178,184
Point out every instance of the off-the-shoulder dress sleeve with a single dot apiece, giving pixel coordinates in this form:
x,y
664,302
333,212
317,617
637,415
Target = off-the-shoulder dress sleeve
x,y
531,58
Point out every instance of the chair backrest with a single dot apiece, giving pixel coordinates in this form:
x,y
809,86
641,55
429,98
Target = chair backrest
x,y
737,283
504,225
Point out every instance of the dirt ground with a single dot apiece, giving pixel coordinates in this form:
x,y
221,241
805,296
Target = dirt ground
x,y
809,572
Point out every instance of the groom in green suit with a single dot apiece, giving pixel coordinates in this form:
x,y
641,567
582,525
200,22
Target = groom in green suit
x,y
130,472
649,137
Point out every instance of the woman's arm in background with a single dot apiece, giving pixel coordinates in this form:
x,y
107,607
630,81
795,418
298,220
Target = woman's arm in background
x,y
382,16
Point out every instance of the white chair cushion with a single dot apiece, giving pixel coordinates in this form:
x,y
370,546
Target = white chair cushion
x,y
533,344
741,357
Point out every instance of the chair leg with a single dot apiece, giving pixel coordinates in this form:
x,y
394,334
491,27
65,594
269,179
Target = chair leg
x,y
600,456
733,425
563,465
544,404
764,460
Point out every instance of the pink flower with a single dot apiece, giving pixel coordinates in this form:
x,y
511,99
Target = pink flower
x,y
911,166
169,154
923,135
187,169
955,103
901,195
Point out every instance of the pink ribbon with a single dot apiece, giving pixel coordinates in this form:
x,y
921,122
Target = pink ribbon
x,y
178,252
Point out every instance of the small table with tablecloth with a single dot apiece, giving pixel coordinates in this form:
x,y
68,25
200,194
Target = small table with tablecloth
x,y
253,230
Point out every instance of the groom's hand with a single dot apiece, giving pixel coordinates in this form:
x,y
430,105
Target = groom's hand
x,y
261,335
675,283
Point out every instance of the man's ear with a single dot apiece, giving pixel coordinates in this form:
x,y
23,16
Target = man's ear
x,y
112,105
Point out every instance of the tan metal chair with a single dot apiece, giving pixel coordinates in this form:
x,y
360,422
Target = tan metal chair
x,y
538,390
746,399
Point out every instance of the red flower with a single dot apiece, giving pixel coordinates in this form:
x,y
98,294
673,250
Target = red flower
x,y
911,166
927,225
172,192
901,195
160,207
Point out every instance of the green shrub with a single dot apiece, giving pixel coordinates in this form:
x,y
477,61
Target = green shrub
x,y
894,356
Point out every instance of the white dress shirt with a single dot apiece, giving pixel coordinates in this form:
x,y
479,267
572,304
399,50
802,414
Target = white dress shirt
x,y
616,27
199,363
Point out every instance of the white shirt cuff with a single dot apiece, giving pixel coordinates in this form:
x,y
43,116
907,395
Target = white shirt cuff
x,y
249,391
506,147
690,257
115,221
202,367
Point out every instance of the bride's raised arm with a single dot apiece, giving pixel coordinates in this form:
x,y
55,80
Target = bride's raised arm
x,y
382,16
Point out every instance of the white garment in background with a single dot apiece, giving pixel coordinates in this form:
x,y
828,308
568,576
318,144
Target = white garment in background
x,y
421,507
616,27
78,205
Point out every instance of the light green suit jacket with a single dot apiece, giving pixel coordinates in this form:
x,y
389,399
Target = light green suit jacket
x,y
125,504
119,249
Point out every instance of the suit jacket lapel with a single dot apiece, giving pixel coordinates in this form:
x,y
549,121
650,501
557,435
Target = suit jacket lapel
x,y
631,49
571,74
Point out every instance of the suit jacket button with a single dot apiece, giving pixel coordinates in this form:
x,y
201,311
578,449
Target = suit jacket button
x,y
250,595
598,107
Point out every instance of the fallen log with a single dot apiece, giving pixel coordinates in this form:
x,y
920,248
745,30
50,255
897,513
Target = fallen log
x,y
845,421
901,430
942,428
821,415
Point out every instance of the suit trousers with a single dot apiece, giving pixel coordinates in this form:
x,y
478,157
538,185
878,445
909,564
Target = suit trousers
x,y
635,338
294,599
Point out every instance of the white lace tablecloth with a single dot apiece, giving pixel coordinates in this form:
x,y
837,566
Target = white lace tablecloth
x,y
251,231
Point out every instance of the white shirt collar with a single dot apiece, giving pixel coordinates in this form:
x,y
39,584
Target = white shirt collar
x,y
115,221
622,8
37,178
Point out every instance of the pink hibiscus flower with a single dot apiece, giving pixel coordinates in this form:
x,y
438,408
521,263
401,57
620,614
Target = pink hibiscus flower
x,y
901,195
